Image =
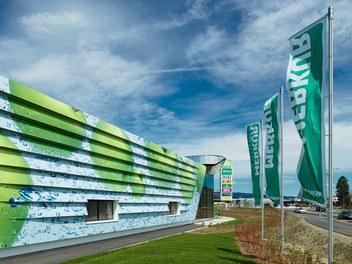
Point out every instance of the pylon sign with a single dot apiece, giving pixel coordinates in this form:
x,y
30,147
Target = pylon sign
x,y
226,181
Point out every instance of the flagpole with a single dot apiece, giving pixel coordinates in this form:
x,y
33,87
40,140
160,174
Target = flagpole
x,y
262,173
282,171
331,88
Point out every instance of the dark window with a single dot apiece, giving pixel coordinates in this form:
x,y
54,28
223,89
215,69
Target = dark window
x,y
100,210
174,208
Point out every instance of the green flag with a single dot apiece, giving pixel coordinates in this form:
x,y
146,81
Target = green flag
x,y
253,139
272,148
305,81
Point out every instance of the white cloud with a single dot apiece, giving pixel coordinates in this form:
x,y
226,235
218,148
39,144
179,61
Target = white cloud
x,y
342,146
75,57
208,46
46,24
90,79
198,10
260,48
50,70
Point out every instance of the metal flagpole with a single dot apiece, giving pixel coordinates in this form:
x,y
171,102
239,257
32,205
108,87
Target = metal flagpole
x,y
262,173
282,171
331,88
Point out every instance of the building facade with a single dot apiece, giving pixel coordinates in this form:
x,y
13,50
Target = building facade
x,y
67,177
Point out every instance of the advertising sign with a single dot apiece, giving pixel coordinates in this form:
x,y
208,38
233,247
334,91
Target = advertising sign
x,y
253,139
305,83
226,181
272,148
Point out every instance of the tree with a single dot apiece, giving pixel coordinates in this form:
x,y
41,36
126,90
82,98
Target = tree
x,y
343,192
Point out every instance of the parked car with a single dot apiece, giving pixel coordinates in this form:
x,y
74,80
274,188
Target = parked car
x,y
346,214
320,209
300,210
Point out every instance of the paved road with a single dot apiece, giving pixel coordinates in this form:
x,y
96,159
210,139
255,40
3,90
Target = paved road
x,y
340,226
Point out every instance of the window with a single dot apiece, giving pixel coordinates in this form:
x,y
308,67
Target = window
x,y
174,208
99,210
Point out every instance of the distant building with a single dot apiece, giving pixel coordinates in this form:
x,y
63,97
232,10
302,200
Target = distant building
x,y
249,202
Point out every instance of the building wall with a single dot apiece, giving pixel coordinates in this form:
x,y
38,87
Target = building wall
x,y
54,158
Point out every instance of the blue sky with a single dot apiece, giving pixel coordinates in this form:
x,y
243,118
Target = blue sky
x,y
189,75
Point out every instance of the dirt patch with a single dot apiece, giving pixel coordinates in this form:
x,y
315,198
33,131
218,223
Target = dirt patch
x,y
301,235
304,243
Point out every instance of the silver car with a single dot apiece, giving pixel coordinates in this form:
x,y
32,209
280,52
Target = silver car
x,y
300,210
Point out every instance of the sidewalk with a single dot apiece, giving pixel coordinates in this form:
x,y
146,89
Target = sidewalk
x,y
54,256
213,221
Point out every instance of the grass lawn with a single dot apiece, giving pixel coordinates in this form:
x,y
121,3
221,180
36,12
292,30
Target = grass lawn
x,y
182,248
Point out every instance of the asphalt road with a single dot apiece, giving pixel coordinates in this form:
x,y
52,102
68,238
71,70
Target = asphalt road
x,y
340,226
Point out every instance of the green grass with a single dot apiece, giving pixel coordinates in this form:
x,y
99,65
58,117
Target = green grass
x,y
183,248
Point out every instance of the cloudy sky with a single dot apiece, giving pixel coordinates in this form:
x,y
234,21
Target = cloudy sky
x,y
189,75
